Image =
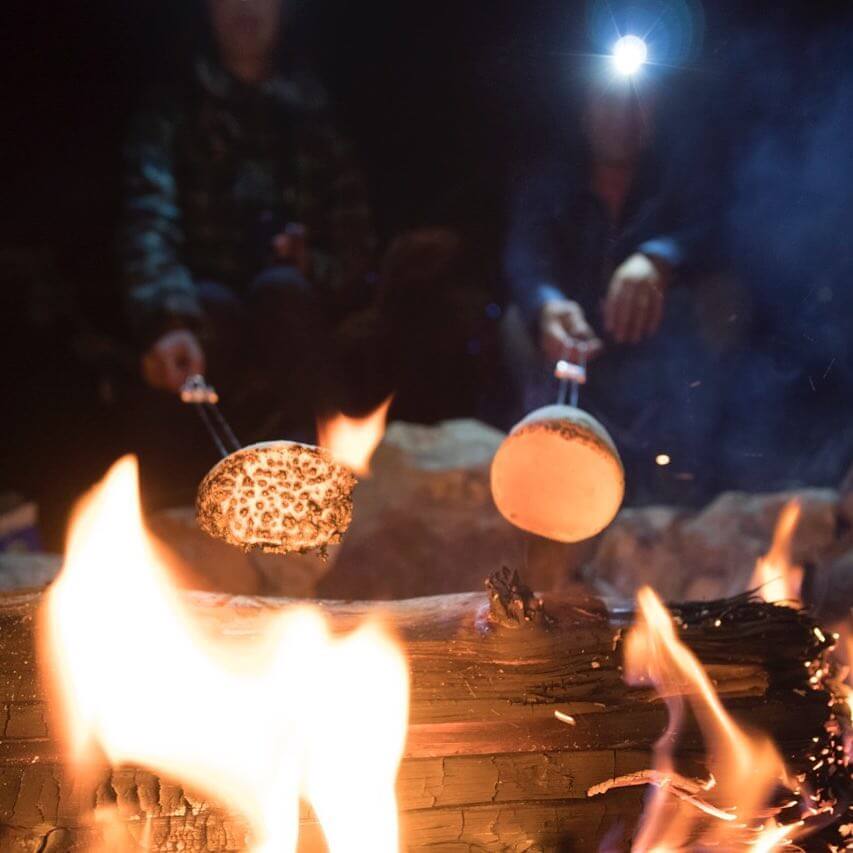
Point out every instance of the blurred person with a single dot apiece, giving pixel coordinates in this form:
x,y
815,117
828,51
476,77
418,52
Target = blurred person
x,y
600,241
246,233
246,241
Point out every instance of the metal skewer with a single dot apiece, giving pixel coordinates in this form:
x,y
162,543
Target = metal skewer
x,y
571,375
197,392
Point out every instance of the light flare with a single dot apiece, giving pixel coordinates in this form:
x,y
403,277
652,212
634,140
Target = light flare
x,y
746,768
352,441
629,55
776,579
257,722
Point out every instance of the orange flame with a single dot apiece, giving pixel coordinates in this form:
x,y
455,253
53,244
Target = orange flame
x,y
352,441
252,721
776,578
744,769
115,836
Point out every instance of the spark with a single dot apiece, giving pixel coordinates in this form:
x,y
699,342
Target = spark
x,y
565,718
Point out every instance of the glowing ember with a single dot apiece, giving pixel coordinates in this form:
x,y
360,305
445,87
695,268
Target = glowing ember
x,y
844,650
252,721
745,769
775,577
849,643
353,440
773,836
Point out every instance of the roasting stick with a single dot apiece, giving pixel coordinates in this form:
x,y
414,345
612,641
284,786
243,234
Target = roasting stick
x,y
197,392
571,374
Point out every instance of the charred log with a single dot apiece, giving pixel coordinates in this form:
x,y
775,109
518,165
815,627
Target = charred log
x,y
487,765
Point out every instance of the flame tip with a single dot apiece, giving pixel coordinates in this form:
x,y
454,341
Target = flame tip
x,y
352,441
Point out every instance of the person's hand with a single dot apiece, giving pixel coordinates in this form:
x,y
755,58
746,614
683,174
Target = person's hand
x,y
291,247
563,330
172,359
633,308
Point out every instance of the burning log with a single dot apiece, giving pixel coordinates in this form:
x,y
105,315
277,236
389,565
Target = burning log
x,y
487,763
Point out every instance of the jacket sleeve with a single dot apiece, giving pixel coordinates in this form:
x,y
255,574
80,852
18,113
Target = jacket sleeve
x,y
685,230
159,290
681,246
529,258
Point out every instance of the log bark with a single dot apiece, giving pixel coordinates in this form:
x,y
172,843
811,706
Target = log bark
x,y
487,765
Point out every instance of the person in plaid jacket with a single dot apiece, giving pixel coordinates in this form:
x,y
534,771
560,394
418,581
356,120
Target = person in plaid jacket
x,y
246,232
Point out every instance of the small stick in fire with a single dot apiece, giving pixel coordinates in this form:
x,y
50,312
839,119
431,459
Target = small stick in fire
x,y
679,786
568,719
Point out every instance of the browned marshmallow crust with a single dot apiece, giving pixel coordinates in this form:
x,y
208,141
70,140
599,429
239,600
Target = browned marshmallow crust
x,y
277,496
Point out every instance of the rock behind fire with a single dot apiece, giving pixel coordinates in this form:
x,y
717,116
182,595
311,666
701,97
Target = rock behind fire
x,y
711,553
424,522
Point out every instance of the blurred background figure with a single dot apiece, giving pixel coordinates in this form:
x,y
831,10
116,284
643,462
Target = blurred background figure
x,y
246,234
688,223
605,242
248,253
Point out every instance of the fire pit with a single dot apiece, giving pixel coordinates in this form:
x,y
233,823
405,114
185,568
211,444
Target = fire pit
x,y
198,721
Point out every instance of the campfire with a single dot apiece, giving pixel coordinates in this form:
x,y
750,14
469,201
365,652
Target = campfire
x,y
159,719
254,722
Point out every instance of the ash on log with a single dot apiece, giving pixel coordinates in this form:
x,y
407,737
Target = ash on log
x,y
487,764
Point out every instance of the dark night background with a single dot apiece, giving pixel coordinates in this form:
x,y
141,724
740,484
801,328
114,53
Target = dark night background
x,y
442,100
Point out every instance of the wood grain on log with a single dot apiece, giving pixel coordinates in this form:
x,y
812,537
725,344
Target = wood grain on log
x,y
487,765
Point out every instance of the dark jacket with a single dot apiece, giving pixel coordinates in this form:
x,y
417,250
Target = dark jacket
x,y
216,169
562,242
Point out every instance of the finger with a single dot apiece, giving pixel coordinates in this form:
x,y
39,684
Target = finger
x,y
609,311
623,308
195,359
152,370
176,374
180,364
639,318
576,325
574,335
594,346
556,343
199,363
283,246
655,314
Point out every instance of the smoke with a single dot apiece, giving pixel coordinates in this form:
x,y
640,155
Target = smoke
x,y
786,227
